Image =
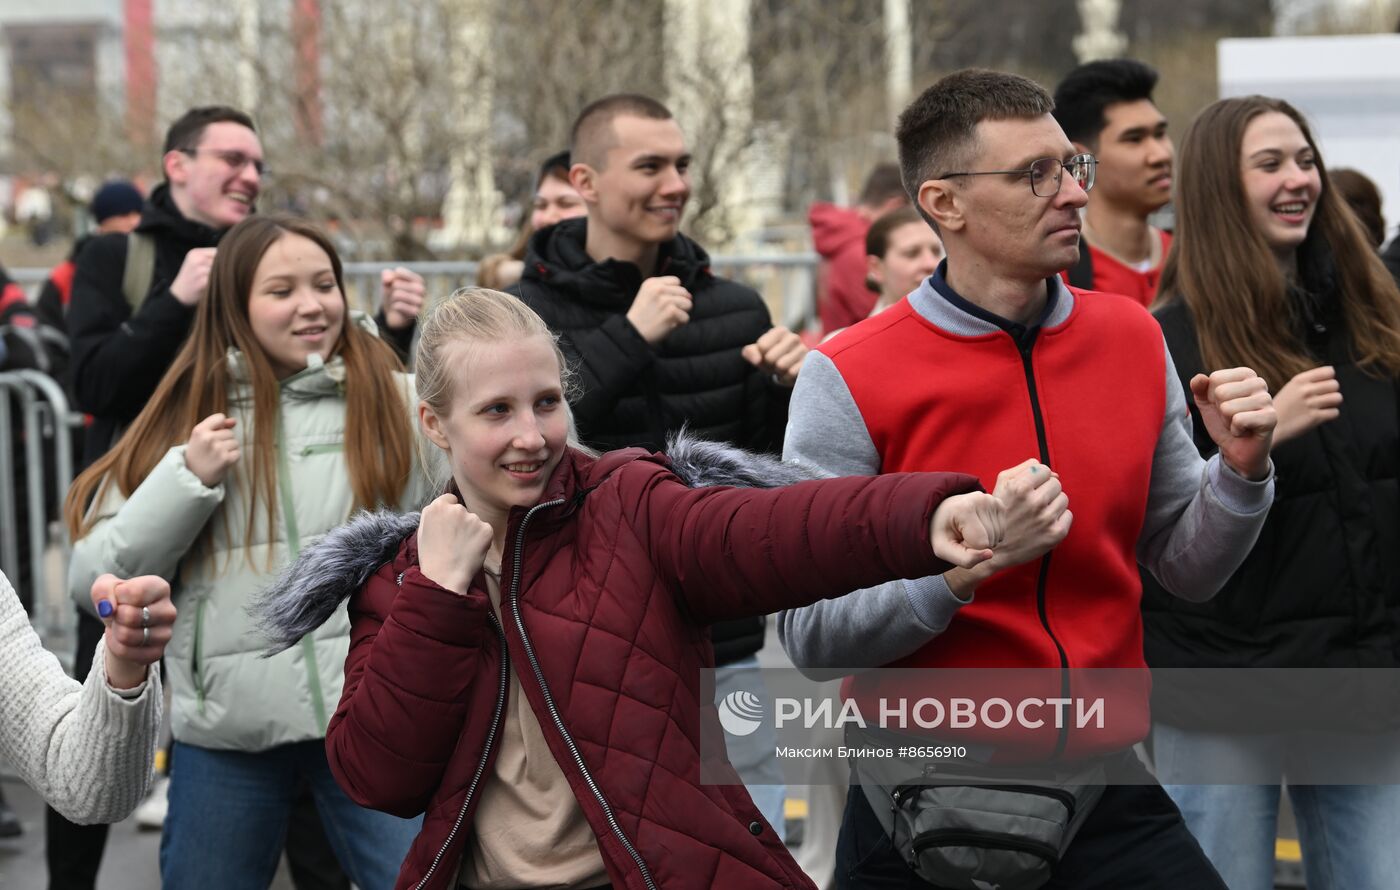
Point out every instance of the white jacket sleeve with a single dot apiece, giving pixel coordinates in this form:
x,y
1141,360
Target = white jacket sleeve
x,y
86,749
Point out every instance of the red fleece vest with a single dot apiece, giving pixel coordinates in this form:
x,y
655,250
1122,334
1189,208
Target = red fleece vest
x,y
933,400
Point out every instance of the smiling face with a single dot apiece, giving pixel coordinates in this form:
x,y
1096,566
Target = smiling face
x,y
1135,157
912,252
638,195
217,182
507,424
1278,171
296,307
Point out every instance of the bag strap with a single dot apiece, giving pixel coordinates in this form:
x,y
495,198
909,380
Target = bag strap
x,y
140,269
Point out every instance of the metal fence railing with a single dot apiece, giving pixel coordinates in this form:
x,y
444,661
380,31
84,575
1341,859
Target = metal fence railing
x,y
43,428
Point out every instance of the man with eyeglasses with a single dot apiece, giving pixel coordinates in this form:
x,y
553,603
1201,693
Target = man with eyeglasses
x,y
133,302
999,364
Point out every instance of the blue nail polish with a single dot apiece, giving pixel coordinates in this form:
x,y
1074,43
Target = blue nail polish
x,y
104,608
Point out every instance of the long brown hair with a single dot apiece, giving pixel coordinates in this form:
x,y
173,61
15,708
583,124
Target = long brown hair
x,y
378,431
1224,271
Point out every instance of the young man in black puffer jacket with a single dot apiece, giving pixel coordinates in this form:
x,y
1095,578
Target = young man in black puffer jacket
x,y
658,340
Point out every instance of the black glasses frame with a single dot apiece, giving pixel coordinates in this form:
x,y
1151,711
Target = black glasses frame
x,y
1089,162
237,160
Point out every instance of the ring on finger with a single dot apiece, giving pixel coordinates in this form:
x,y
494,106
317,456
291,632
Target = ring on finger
x,y
145,617
145,635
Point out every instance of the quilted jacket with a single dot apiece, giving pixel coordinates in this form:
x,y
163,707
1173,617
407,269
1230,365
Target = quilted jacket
x,y
607,586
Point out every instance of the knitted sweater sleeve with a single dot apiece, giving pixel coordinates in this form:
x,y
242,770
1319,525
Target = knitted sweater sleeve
x,y
86,749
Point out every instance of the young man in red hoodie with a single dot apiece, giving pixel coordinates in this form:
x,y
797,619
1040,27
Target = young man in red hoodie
x,y
839,236
998,361
1106,109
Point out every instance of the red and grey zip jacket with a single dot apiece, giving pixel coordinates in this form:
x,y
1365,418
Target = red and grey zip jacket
x,y
936,382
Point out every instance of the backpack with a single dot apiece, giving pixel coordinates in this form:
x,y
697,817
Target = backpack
x,y
140,269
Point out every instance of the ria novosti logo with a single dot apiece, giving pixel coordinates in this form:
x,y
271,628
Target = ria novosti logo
x,y
740,713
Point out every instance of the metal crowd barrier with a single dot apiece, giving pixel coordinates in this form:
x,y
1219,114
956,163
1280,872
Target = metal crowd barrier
x,y
46,421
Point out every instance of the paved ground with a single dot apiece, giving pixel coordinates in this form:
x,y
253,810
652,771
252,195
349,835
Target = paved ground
x,y
130,862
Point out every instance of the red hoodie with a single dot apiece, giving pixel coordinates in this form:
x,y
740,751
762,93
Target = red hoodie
x,y
838,233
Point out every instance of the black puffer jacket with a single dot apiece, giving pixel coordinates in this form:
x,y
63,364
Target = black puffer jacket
x,y
119,357
635,394
1321,589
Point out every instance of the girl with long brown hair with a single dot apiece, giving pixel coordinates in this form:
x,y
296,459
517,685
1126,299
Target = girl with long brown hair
x,y
1269,268
282,414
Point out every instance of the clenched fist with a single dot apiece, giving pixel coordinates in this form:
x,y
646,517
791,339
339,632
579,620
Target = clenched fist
x,y
403,293
966,529
140,619
193,278
212,449
661,306
779,352
1037,519
452,544
1238,412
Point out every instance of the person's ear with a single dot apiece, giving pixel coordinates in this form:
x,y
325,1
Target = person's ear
x,y
584,179
175,164
875,273
433,427
941,200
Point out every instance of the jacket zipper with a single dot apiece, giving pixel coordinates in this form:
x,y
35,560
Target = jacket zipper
x,y
197,652
905,793
956,837
289,522
502,682
549,698
1062,736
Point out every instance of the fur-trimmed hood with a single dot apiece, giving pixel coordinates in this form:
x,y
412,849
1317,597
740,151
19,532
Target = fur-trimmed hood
x,y
327,572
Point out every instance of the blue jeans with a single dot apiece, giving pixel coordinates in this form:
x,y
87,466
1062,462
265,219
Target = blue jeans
x,y
228,819
1347,832
755,756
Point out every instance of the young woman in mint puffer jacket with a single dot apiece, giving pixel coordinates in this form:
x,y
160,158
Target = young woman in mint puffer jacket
x,y
525,664
281,415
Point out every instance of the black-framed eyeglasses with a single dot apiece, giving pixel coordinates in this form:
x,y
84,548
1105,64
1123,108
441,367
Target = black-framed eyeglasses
x,y
1045,173
236,160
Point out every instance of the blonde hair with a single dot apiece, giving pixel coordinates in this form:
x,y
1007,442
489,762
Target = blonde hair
x,y
481,315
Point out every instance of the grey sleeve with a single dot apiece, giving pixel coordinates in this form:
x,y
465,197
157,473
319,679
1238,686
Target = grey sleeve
x,y
871,627
1202,517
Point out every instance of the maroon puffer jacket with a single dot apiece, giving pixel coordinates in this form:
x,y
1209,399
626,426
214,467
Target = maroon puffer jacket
x,y
607,586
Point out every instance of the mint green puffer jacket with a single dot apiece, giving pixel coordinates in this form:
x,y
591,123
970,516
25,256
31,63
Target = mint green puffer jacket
x,y
225,694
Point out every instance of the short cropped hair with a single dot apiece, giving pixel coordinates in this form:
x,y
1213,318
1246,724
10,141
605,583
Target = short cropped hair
x,y
592,135
188,130
882,184
1082,96
937,131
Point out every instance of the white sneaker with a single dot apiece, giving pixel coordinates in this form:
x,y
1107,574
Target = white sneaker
x,y
150,815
